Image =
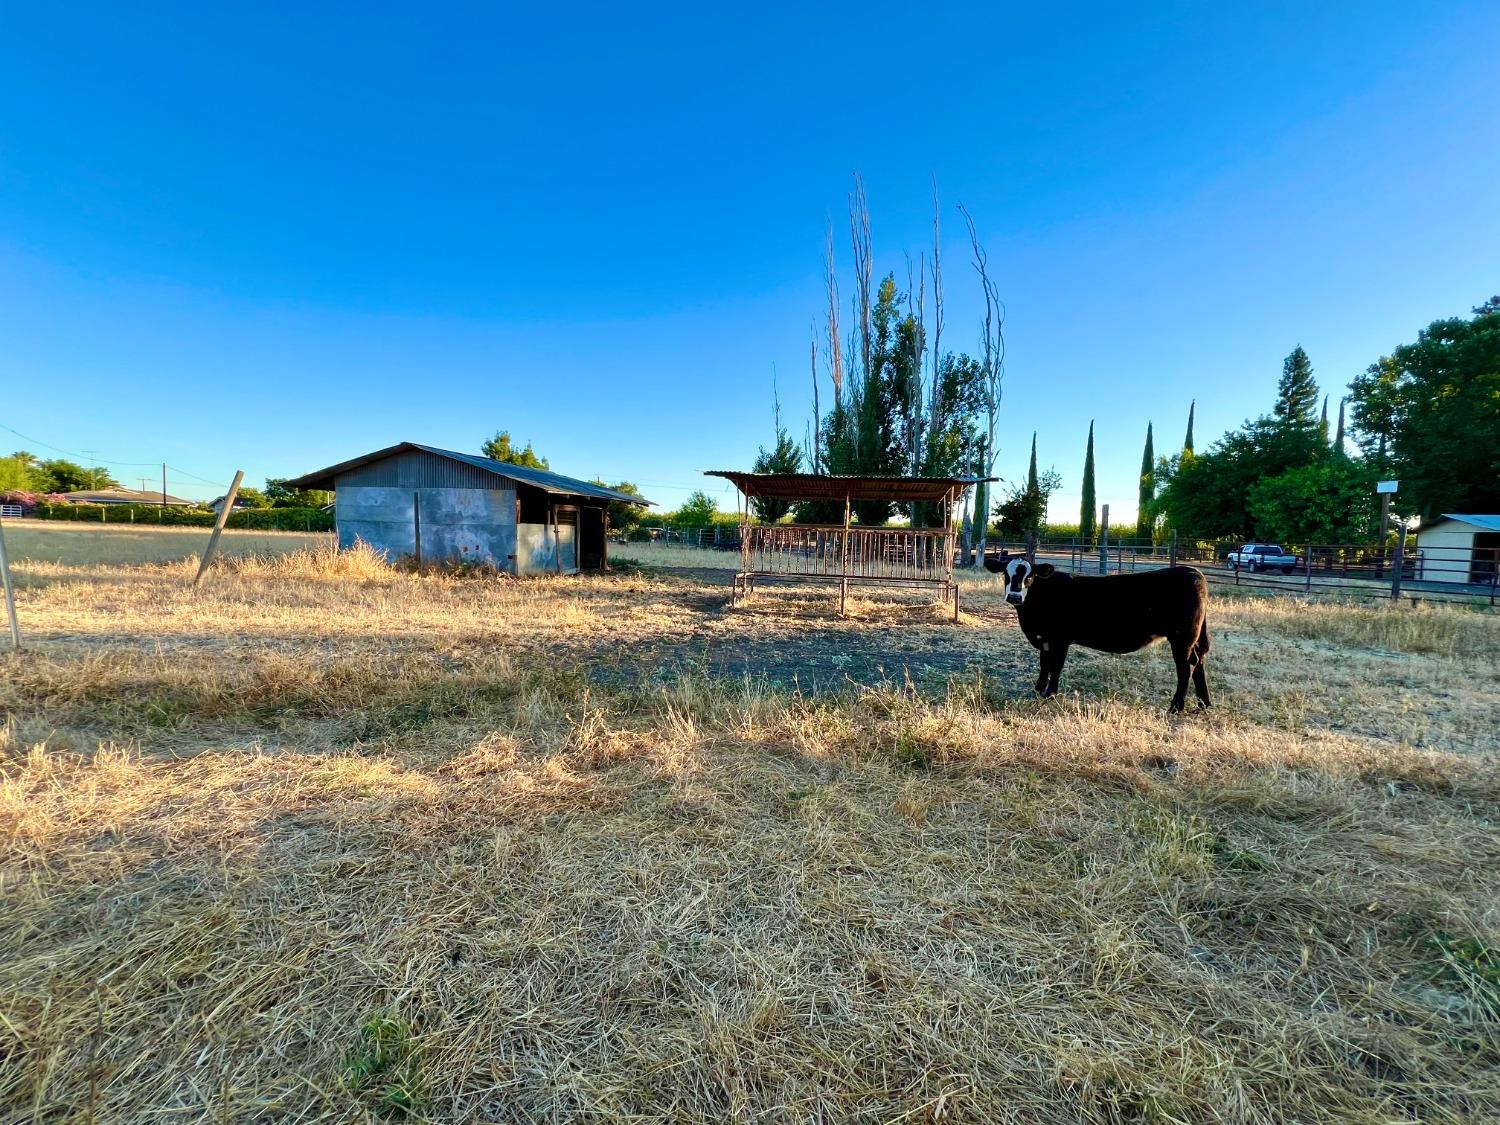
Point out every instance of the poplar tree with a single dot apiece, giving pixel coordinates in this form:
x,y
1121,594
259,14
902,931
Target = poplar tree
x,y
1032,484
1087,524
1148,488
1187,442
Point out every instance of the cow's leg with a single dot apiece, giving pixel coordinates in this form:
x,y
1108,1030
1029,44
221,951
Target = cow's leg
x,y
1200,673
1182,655
1059,658
1044,666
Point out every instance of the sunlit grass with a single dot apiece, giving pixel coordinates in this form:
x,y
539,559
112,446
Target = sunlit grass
x,y
325,839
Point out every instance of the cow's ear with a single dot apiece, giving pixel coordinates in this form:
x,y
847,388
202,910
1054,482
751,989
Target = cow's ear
x,y
1043,569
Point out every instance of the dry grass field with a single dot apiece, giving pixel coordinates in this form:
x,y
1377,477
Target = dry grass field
x,y
324,841
84,544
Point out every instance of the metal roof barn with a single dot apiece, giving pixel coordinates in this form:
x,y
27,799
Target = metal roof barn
x,y
438,506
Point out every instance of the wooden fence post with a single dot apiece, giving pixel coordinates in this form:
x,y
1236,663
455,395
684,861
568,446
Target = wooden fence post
x,y
213,539
1172,550
10,595
1104,542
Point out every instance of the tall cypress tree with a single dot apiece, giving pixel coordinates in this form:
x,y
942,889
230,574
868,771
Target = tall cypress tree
x,y
1338,438
1031,481
1087,524
1187,442
1323,422
1143,521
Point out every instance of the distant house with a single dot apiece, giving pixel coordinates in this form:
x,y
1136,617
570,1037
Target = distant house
x,y
217,502
1459,548
441,506
126,496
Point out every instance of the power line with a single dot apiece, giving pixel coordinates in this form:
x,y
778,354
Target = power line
x,y
70,452
87,456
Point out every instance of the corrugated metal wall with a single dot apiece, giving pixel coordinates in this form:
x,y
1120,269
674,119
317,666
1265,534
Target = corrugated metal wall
x,y
418,469
474,525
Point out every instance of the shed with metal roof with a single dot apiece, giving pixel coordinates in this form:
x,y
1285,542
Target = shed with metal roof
x,y
439,506
1459,548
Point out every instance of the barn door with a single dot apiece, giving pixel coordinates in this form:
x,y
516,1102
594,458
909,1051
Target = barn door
x,y
567,538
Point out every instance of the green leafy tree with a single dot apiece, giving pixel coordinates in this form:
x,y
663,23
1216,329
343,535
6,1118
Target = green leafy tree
x,y
280,496
500,448
1088,510
1430,414
1330,501
23,466
785,457
251,498
1024,509
1143,521
623,517
62,475
698,511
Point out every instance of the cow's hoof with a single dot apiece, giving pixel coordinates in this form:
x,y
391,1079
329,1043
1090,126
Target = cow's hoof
x,y
1175,707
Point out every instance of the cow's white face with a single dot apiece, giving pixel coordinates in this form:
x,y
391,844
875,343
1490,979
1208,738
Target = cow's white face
x,y
1018,574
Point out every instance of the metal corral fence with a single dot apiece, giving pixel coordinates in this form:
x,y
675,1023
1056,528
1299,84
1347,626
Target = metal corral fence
x,y
723,537
1343,570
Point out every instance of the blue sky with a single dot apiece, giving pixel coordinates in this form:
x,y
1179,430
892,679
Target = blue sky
x,y
271,237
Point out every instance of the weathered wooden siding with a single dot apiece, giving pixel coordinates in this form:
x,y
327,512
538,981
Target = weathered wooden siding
x,y
459,524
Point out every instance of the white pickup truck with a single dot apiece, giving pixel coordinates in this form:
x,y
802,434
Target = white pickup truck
x,y
1263,556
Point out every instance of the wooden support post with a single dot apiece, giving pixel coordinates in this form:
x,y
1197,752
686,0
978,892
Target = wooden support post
x,y
416,529
844,568
10,595
1307,585
1104,542
745,534
213,539
1172,550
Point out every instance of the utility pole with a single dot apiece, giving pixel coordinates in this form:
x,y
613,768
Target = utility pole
x,y
93,476
164,486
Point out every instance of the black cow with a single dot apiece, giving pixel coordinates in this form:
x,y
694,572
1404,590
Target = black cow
x,y
1115,613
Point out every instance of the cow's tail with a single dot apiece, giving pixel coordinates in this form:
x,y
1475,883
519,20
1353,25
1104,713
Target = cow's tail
x,y
1202,645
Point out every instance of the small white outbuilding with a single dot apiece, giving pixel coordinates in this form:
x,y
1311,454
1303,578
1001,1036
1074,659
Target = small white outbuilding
x,y
1459,548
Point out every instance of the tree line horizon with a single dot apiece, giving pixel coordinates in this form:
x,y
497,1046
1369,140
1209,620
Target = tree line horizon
x,y
1427,414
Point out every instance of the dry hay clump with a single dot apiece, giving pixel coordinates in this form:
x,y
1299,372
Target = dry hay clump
x,y
495,892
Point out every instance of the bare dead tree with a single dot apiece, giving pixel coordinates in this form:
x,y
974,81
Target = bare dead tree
x,y
775,401
864,268
992,350
835,342
936,421
814,453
